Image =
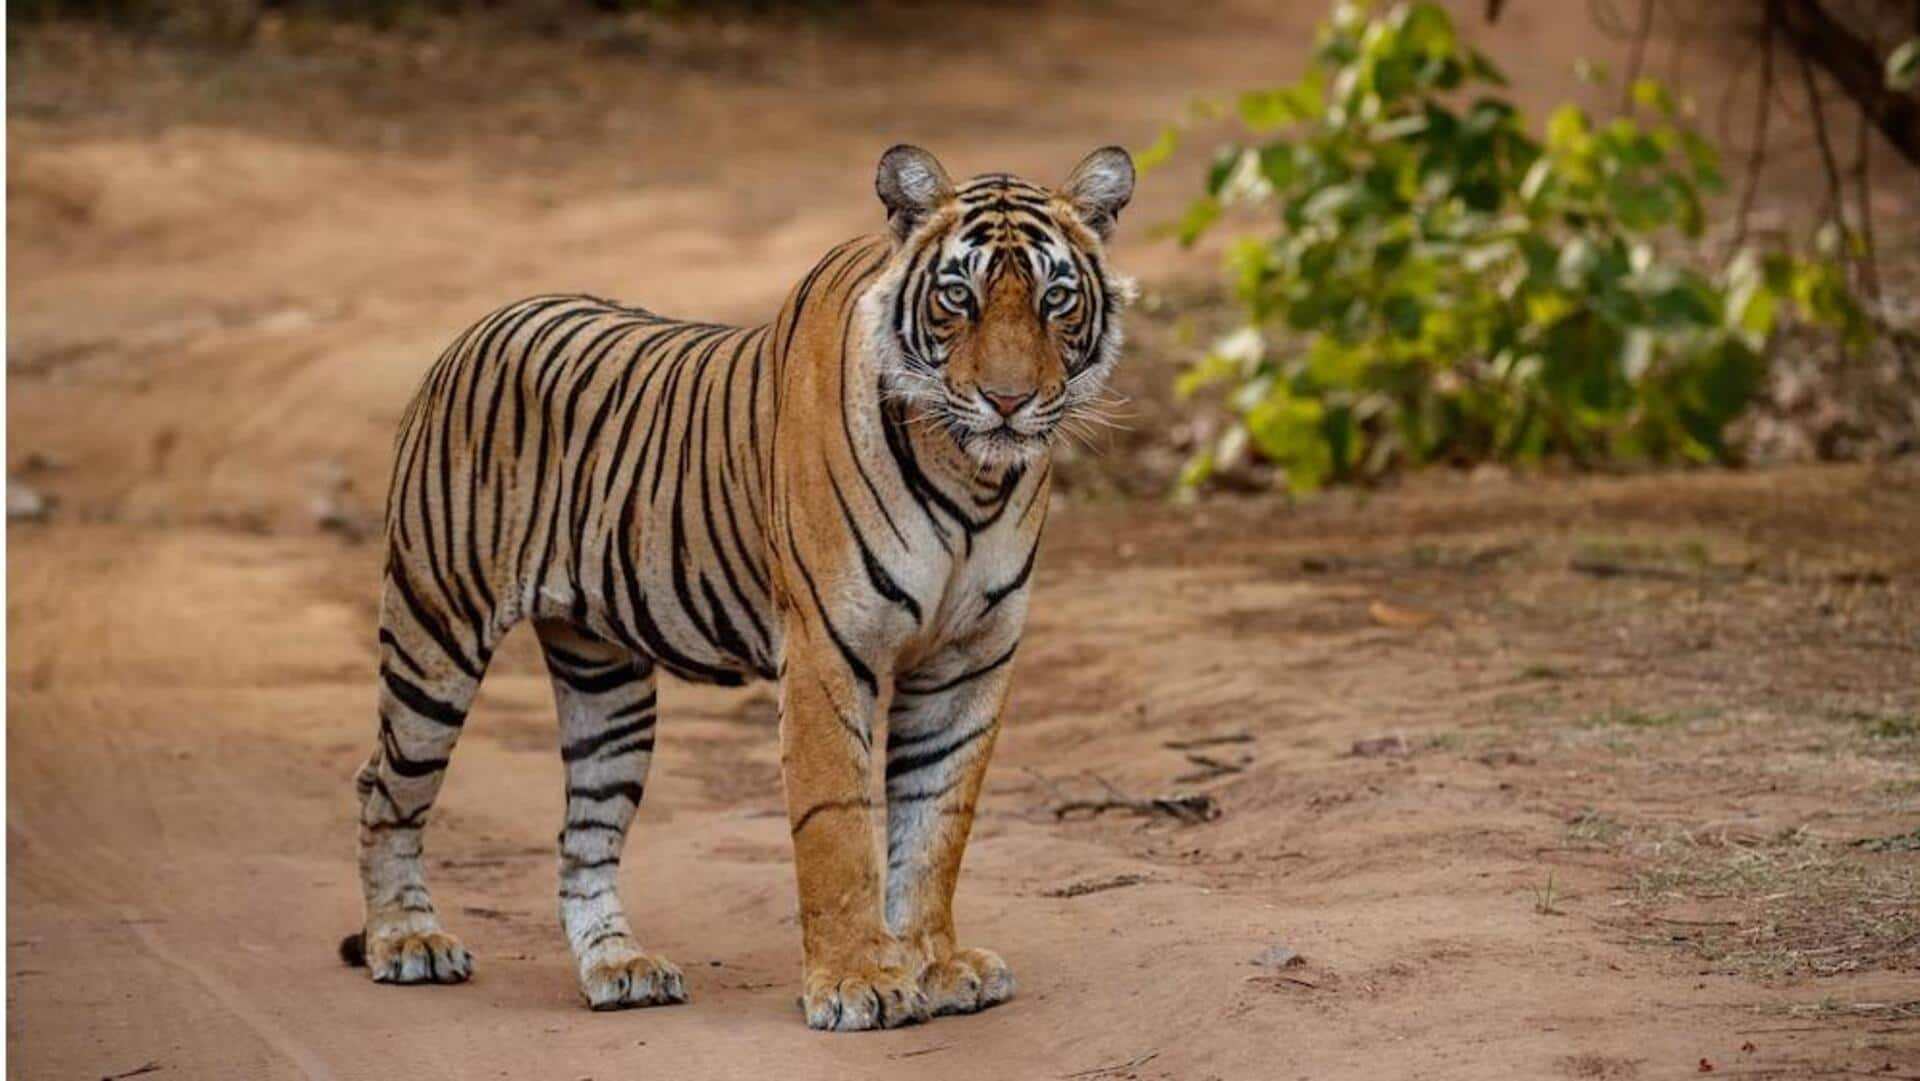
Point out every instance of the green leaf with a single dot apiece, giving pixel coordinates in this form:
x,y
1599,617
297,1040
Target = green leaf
x,y
1425,27
1704,160
1329,203
1159,151
1200,216
1484,69
1210,370
1281,106
1290,432
1221,168
1278,165
1903,65
1404,313
1752,306
1197,470
1677,300
1567,130
1443,281
1650,94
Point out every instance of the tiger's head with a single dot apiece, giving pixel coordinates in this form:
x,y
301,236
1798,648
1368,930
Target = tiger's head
x,y
998,318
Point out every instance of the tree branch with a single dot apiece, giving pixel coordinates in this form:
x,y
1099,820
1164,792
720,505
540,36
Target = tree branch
x,y
1757,149
1836,197
1855,66
1637,56
1863,190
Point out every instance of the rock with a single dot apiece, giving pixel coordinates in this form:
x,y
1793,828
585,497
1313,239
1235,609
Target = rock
x,y
26,504
1394,746
1279,956
334,516
42,461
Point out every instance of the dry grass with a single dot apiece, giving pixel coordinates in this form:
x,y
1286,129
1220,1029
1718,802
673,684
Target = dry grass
x,y
1783,905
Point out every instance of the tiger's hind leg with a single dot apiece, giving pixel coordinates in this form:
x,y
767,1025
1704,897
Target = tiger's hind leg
x,y
607,704
428,676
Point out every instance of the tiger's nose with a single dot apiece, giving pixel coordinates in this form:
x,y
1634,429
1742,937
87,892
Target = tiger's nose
x,y
1004,403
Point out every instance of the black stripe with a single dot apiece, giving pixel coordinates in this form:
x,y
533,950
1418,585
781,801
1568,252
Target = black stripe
x,y
966,677
995,596
399,761
422,703
598,681
902,764
854,664
586,746
829,805
436,629
883,582
632,790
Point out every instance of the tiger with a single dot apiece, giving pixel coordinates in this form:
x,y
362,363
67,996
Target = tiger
x,y
847,499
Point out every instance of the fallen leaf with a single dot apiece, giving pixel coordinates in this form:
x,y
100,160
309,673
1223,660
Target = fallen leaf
x,y
1394,615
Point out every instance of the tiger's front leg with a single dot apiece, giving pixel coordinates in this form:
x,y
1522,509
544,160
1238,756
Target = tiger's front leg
x,y
857,975
941,730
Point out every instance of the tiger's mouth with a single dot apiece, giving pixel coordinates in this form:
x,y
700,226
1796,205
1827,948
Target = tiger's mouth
x,y
1002,444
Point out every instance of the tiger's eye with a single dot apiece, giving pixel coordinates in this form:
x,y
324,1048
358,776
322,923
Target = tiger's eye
x,y
956,295
1057,296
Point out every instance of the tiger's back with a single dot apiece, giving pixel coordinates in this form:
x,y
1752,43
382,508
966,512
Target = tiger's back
x,y
567,454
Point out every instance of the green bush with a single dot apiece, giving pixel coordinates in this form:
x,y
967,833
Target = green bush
x,y
1440,285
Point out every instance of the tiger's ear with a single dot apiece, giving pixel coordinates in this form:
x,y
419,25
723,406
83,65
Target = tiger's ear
x,y
912,185
1100,186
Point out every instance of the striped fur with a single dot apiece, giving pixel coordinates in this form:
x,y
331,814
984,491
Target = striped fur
x,y
848,499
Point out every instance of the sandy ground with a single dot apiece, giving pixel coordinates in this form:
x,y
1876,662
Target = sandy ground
x,y
1634,726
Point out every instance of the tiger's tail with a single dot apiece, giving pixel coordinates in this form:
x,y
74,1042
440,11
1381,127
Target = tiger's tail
x,y
353,950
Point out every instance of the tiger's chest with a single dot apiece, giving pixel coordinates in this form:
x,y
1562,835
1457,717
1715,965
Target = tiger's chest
x,y
969,584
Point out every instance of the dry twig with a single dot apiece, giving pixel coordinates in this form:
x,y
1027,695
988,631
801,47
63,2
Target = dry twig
x,y
1190,809
1206,741
1211,769
1114,1068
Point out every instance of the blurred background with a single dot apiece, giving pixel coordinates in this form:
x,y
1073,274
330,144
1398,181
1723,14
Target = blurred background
x,y
1505,564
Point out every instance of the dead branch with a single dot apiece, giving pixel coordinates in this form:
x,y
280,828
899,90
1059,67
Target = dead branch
x,y
1211,769
1757,151
1198,742
1114,1068
1098,885
1863,195
1189,809
1829,163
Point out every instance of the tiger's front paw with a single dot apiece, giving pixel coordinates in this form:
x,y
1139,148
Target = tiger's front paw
x,y
417,957
967,981
862,998
632,979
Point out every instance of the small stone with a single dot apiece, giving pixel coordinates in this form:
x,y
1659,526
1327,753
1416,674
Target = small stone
x,y
334,516
1279,956
25,503
1392,746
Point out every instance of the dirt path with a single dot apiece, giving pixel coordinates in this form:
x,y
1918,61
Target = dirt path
x,y
180,824
1641,722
